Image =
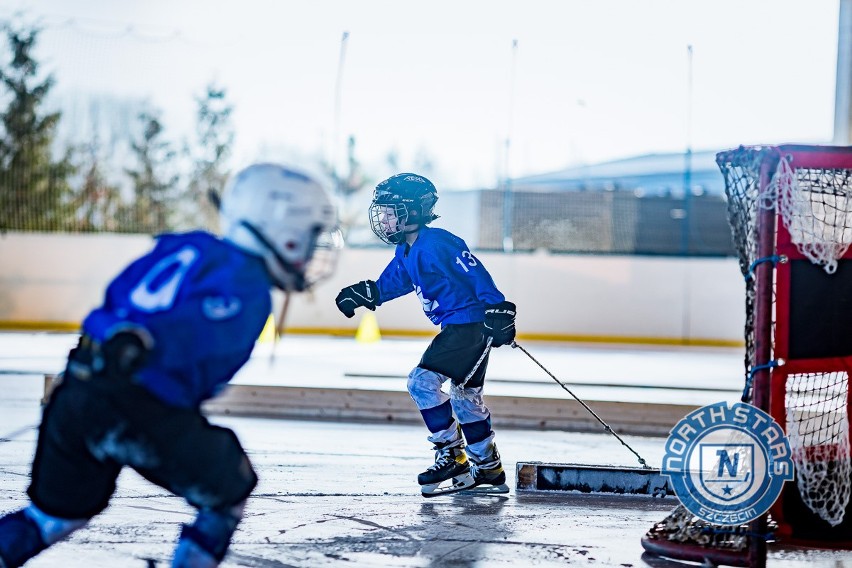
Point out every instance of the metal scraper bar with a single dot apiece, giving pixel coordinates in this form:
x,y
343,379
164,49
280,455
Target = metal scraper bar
x,y
619,480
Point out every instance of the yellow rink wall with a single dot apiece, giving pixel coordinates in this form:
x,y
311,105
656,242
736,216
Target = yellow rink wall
x,y
50,281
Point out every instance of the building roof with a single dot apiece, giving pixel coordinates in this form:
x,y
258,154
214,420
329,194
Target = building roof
x,y
649,174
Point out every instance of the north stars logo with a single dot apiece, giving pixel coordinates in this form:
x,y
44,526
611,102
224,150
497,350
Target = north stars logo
x,y
727,465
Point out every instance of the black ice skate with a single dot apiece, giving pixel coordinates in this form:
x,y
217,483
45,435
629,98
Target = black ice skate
x,y
488,475
450,472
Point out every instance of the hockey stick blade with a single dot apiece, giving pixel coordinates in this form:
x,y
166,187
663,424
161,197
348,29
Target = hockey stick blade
x,y
459,483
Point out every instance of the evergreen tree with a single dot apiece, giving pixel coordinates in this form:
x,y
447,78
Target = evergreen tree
x,y
33,187
97,203
213,147
154,180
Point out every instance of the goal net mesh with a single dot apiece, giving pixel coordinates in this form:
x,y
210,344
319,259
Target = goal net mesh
x,y
818,431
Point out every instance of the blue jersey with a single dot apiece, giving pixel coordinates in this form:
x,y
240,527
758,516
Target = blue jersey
x,y
204,301
451,283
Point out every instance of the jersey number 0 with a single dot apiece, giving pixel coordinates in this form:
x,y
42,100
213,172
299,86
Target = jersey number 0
x,y
156,292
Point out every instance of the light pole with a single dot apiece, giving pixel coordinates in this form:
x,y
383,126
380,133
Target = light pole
x,y
338,89
843,80
508,209
687,165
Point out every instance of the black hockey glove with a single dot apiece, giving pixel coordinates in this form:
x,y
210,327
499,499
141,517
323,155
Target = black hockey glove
x,y
363,294
500,323
126,352
81,360
121,356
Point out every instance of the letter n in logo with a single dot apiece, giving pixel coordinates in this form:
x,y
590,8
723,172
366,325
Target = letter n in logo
x,y
727,470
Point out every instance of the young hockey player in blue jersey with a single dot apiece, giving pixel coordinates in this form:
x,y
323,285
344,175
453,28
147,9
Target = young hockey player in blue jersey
x,y
458,294
174,328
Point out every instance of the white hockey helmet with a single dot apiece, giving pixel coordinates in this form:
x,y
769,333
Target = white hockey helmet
x,y
286,217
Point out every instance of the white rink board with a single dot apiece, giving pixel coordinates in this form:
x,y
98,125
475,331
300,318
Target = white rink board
x,y
58,278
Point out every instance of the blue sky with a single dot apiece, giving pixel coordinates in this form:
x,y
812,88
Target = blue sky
x,y
589,80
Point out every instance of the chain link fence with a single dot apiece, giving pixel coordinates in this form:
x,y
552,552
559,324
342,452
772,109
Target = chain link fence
x,y
98,210
617,222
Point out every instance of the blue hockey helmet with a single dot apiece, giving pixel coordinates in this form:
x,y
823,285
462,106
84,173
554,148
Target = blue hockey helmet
x,y
402,204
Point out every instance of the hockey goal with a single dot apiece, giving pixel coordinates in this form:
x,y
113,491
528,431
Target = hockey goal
x,y
790,211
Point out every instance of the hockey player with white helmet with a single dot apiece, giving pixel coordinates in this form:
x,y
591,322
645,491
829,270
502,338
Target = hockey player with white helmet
x,y
458,294
174,328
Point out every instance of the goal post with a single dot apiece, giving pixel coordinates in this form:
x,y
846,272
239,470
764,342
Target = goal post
x,y
790,212
809,393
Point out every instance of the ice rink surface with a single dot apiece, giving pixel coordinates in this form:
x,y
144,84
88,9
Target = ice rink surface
x,y
344,494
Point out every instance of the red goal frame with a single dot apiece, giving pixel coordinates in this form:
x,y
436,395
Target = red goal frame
x,y
770,388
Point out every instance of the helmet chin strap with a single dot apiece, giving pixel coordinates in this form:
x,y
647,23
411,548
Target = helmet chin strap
x,y
412,216
416,229
298,278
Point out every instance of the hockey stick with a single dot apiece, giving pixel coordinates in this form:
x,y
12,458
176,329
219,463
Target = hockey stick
x,y
278,333
457,391
606,426
18,433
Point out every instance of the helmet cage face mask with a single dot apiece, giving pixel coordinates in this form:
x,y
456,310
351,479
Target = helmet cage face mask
x,y
322,250
388,221
323,259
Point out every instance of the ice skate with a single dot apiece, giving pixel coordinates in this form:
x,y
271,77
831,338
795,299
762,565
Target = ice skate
x,y
450,472
488,475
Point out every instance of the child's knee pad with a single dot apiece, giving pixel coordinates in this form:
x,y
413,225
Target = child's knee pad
x,y
424,386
